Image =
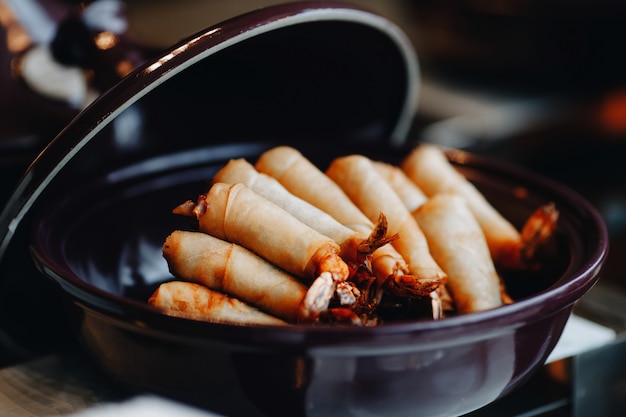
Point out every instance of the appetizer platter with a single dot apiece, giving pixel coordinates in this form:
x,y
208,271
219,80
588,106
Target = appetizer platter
x,y
283,239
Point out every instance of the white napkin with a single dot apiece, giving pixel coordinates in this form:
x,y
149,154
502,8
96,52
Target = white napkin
x,y
144,406
580,335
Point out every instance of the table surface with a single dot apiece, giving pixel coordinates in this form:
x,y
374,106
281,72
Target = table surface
x,y
56,384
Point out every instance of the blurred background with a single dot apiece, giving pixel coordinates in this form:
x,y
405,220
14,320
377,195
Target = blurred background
x,y
538,83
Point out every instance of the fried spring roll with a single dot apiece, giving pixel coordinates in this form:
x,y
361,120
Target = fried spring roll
x,y
193,301
232,269
413,198
433,173
303,179
237,214
371,193
241,171
410,194
458,244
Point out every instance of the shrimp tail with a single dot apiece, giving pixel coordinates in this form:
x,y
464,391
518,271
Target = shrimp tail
x,y
377,238
537,230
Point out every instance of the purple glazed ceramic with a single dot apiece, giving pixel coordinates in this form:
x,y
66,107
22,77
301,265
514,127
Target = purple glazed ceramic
x,y
97,206
106,259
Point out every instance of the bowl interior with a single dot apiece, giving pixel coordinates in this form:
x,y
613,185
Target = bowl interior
x,y
106,236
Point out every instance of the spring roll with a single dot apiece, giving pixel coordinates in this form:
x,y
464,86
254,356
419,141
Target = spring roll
x,y
239,215
196,302
241,171
371,193
302,178
232,269
458,244
433,173
411,195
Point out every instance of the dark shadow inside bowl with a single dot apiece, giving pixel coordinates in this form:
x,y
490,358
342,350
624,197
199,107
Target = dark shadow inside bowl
x,y
311,82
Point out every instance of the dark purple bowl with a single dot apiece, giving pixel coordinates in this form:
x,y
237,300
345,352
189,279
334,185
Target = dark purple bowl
x,y
98,203
105,257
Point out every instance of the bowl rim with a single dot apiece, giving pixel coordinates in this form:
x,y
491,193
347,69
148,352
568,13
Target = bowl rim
x,y
399,336
195,48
